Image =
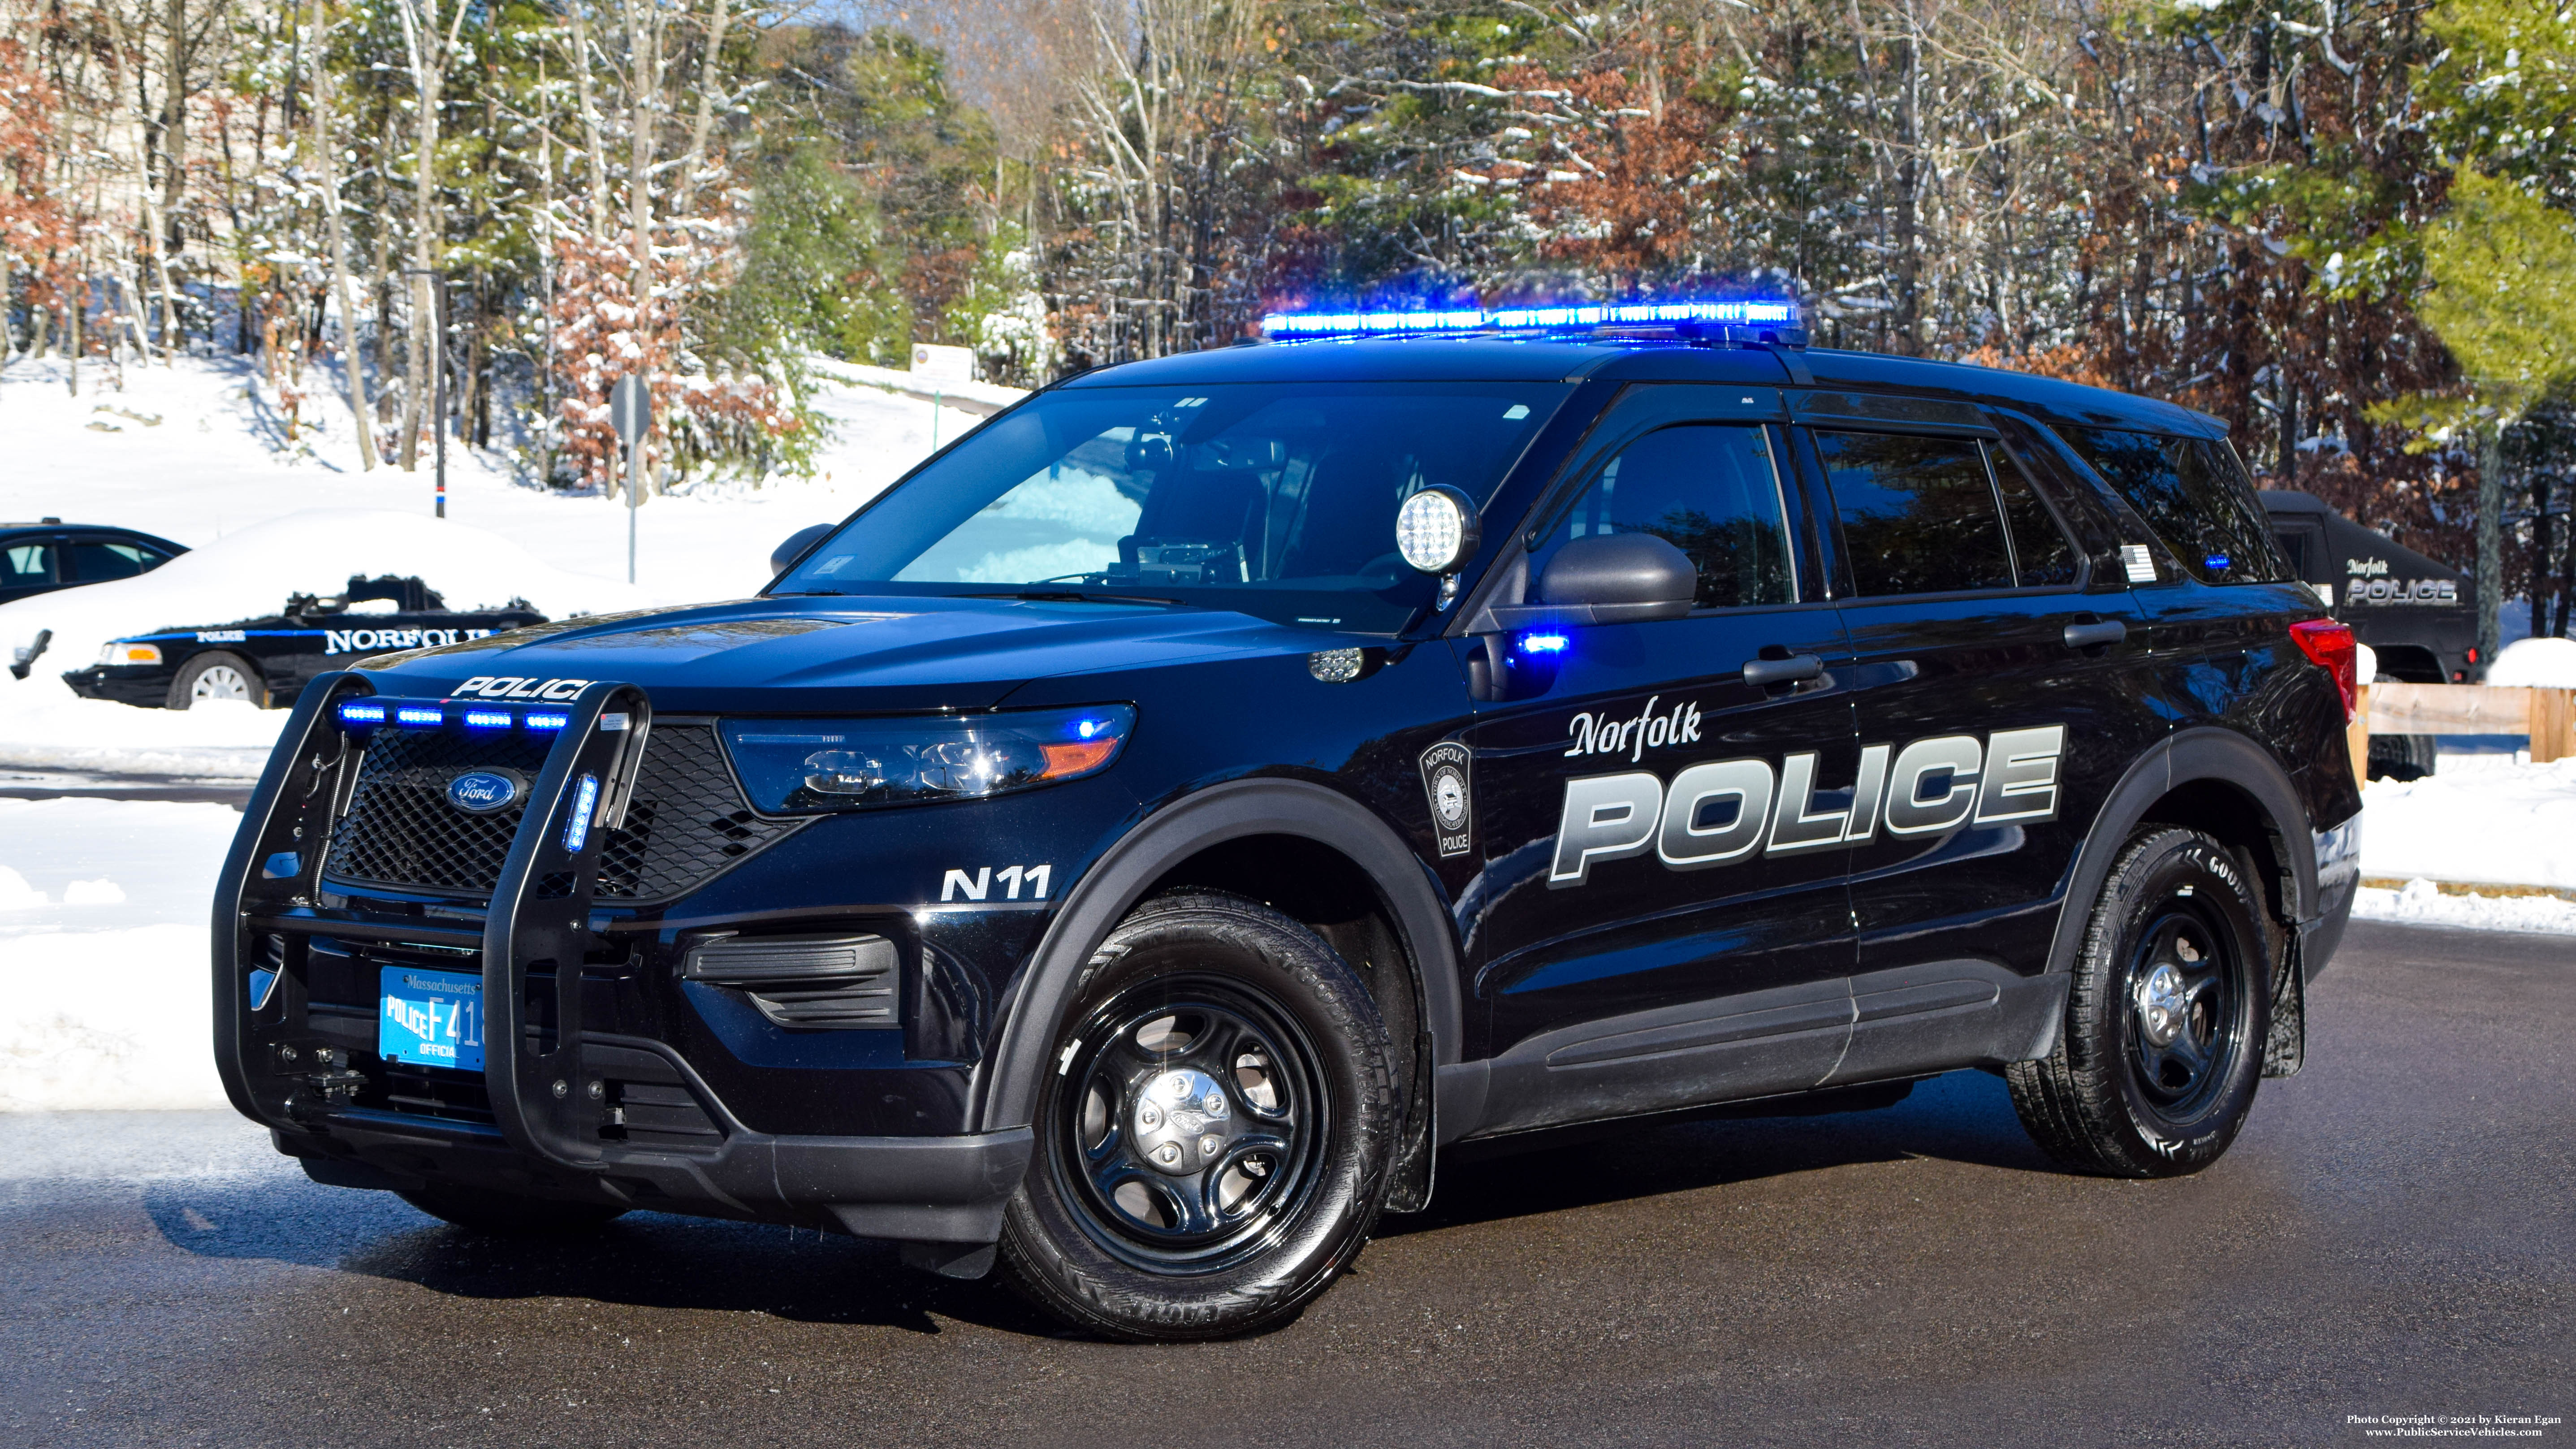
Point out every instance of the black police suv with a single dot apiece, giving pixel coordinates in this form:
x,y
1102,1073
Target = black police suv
x,y
2417,614
269,660
38,558
1128,848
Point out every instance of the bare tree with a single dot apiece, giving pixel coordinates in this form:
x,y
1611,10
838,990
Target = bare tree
x,y
326,165
430,50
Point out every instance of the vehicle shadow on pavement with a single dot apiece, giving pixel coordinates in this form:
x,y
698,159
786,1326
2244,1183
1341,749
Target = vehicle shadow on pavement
x,y
656,1260
648,1260
1962,1117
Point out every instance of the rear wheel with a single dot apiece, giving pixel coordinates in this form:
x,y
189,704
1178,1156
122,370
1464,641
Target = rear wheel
x,y
217,675
2156,1068
1213,1141
508,1214
2403,757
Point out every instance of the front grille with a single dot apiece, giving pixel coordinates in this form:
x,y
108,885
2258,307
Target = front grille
x,y
687,820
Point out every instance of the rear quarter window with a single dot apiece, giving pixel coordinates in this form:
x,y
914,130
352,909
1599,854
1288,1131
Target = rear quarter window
x,y
2194,493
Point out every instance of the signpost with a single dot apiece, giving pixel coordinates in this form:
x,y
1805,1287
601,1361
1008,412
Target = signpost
x,y
630,411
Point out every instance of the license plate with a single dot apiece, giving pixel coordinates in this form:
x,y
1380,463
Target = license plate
x,y
434,1018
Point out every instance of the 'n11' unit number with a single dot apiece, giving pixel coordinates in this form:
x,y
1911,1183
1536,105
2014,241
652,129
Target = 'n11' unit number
x,y
958,885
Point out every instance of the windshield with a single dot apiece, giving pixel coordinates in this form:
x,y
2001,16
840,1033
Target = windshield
x,y
1278,499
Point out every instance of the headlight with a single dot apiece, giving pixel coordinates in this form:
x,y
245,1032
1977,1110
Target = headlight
x,y
119,651
807,767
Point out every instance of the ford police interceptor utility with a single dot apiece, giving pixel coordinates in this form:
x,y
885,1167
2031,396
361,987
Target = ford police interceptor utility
x,y
1126,851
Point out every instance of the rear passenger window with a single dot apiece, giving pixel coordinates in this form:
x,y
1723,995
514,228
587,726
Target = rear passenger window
x,y
2195,496
2041,555
1918,514
1710,491
25,564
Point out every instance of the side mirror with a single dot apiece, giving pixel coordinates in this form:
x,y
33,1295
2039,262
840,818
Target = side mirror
x,y
1620,578
795,546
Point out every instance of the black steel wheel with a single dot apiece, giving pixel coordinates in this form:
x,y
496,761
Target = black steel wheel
x,y
1212,1144
1192,1120
2156,1067
509,1215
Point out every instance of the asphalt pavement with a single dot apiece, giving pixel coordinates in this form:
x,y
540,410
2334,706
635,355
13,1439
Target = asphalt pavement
x,y
2394,1235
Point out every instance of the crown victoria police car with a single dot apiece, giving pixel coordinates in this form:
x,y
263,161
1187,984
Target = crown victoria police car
x,y
1127,851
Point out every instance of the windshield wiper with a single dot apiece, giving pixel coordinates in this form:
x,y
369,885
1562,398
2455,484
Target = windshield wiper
x,y
1073,596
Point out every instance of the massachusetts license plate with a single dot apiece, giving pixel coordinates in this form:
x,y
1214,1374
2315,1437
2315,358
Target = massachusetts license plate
x,y
434,1018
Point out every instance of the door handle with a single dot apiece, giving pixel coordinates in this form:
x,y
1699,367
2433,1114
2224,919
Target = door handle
x,y
1792,670
2092,636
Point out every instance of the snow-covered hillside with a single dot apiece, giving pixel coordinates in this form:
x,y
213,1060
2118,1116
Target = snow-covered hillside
x,y
197,453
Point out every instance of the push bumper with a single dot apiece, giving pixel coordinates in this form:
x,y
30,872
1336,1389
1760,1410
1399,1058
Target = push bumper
x,y
292,1064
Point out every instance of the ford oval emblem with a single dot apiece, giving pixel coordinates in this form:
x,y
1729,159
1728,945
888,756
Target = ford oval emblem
x,y
481,792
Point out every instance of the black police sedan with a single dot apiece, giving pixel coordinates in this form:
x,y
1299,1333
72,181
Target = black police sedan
x,y
1128,850
267,661
49,554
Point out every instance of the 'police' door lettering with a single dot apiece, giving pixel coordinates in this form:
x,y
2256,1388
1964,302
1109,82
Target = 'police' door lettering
x,y
1719,811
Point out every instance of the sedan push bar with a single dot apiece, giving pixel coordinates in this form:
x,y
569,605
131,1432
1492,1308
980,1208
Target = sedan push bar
x,y
268,906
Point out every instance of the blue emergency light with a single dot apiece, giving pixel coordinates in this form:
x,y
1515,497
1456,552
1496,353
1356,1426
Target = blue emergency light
x,y
1763,312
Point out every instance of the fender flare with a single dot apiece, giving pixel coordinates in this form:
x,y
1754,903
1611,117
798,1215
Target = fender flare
x,y
2205,753
1230,811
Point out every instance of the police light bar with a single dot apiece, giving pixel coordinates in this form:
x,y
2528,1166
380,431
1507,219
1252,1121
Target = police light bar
x,y
1755,313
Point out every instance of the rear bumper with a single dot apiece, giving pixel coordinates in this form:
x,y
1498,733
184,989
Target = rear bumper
x,y
2338,882
924,1189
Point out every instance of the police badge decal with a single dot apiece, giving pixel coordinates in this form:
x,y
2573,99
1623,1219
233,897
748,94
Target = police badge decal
x,y
1446,780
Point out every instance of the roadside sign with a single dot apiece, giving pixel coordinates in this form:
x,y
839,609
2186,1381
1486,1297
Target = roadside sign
x,y
630,408
630,411
934,363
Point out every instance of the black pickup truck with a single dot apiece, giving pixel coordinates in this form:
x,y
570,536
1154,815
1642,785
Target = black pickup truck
x,y
2417,614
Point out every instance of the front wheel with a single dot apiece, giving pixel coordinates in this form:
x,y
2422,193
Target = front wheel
x,y
1214,1136
217,675
2162,1047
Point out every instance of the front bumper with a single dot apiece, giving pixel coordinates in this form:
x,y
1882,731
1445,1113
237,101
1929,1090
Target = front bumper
x,y
913,1189
147,685
595,1105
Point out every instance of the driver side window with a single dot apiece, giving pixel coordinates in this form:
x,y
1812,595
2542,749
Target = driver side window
x,y
1710,490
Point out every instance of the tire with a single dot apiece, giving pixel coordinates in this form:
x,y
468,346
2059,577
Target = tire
x,y
2403,757
2162,1047
508,1215
1149,1218
217,675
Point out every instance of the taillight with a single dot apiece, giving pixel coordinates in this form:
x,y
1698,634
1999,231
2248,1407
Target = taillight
x,y
2329,644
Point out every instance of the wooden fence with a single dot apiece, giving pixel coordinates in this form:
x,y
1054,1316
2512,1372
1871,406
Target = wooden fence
x,y
2546,716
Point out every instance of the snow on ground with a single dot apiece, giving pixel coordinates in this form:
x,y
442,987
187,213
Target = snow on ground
x,y
2423,903
56,730
2549,663
104,910
2479,819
